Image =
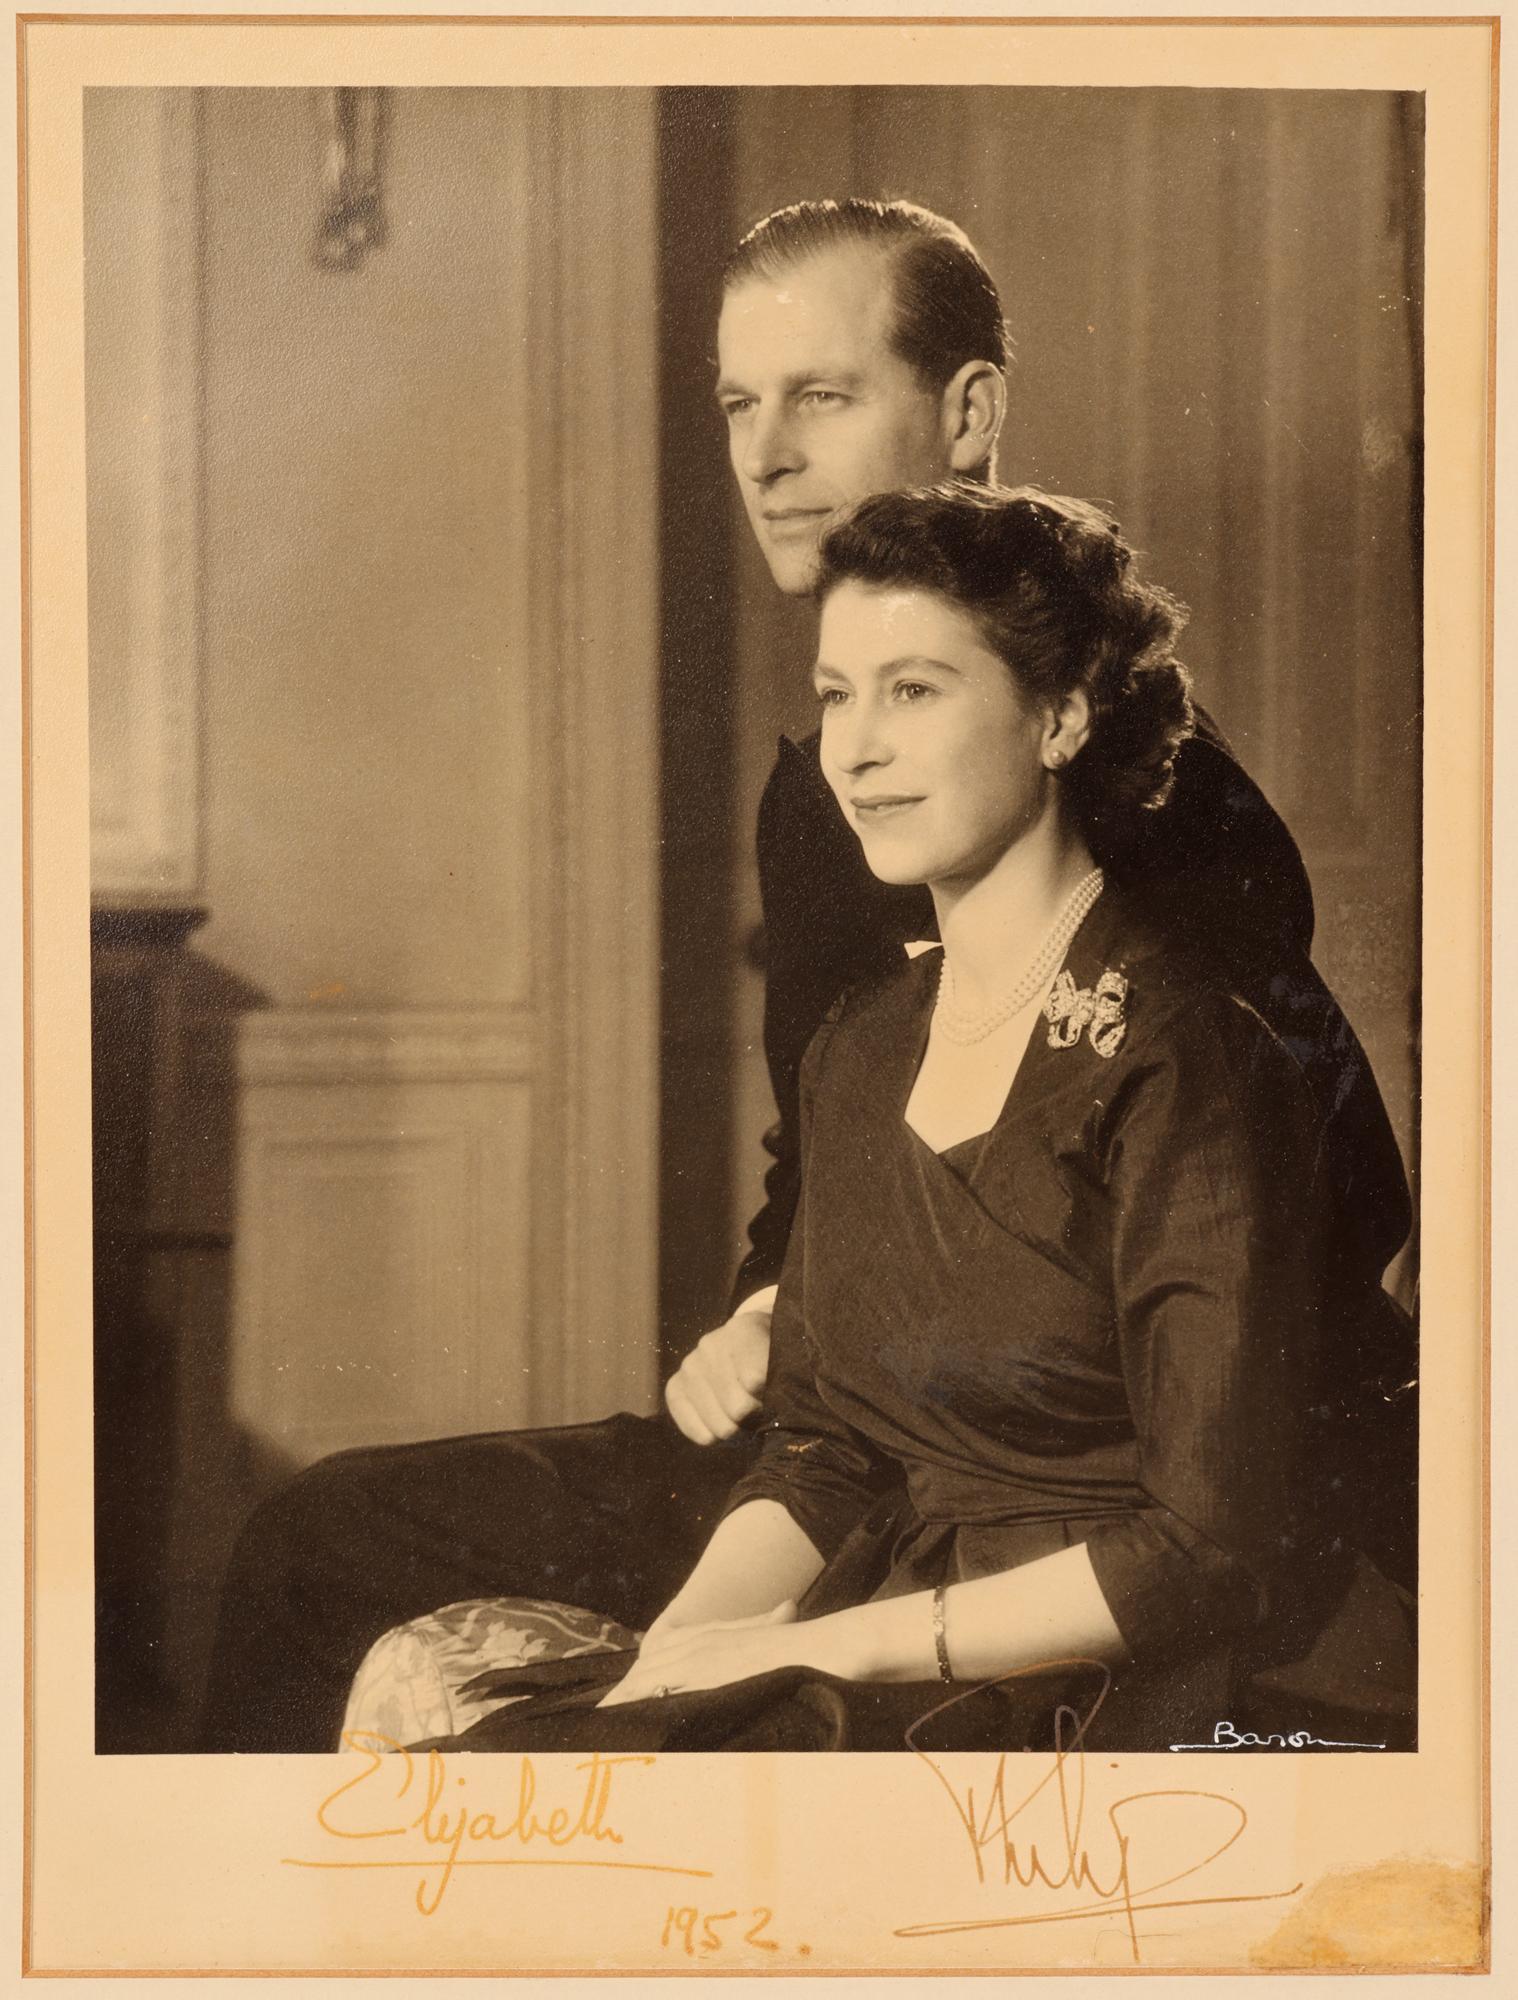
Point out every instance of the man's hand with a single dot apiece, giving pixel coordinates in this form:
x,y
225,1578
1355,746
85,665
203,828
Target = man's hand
x,y
716,1387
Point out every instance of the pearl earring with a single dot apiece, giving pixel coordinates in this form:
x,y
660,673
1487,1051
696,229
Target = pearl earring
x,y
1056,760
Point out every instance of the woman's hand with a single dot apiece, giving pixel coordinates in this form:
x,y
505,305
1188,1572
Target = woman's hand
x,y
678,1658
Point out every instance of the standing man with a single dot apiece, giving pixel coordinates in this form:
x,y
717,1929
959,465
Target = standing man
x,y
861,347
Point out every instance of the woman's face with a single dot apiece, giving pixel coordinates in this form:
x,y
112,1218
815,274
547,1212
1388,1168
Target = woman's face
x,y
931,748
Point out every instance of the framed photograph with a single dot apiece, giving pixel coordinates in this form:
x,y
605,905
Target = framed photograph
x,y
757,857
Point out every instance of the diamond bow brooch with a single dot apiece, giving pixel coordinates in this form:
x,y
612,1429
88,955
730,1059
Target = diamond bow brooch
x,y
1072,1010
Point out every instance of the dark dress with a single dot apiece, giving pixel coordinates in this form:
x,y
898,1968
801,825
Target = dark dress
x,y
1118,1319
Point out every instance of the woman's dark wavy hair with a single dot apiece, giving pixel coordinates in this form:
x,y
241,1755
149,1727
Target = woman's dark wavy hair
x,y
1049,582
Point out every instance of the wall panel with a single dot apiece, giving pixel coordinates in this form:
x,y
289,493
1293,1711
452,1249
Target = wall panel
x,y
387,1195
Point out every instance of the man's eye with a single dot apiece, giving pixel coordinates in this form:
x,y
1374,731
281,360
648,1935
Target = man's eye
x,y
738,407
821,397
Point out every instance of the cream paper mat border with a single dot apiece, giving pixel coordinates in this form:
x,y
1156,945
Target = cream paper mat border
x,y
177,1863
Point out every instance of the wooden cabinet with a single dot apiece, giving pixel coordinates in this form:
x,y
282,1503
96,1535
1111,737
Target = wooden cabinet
x,y
163,1025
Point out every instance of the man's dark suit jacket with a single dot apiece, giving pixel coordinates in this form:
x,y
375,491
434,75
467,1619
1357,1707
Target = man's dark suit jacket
x,y
1214,865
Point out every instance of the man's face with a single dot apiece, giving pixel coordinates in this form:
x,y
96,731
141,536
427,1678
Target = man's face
x,y
820,411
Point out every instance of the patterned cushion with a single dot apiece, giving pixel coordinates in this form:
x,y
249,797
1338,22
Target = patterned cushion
x,y
408,1686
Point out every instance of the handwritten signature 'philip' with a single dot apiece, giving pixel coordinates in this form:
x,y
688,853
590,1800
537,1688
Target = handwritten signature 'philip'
x,y
1037,1840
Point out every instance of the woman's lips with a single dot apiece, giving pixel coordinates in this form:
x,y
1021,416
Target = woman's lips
x,y
883,807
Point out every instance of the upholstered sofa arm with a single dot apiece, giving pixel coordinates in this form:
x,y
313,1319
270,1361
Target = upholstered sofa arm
x,y
408,1689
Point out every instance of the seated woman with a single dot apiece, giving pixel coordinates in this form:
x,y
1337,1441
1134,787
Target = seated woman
x,y
1058,1352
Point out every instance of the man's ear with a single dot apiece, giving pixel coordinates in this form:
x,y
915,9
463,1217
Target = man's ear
x,y
1067,730
974,403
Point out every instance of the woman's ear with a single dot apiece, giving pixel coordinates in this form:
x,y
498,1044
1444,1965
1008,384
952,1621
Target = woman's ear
x,y
1066,730
974,403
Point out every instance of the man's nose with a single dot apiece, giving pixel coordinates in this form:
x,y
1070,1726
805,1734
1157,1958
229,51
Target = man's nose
x,y
772,446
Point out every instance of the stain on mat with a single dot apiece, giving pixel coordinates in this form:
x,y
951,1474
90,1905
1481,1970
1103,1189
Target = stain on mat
x,y
1403,1913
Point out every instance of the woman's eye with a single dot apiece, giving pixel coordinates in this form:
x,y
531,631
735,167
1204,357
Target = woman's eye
x,y
832,697
913,690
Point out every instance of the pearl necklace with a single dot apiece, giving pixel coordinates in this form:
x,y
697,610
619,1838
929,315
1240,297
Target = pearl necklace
x,y
956,1025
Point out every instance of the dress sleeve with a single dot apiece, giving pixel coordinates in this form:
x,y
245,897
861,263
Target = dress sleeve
x,y
816,1465
1220,1299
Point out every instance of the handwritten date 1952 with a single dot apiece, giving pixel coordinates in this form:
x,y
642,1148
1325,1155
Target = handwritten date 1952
x,y
716,1930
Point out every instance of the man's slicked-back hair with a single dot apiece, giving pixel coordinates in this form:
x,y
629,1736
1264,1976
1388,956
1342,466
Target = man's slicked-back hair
x,y
947,308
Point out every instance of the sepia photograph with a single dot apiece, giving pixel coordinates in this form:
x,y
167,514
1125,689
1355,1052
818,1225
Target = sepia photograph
x,y
1095,1253
758,890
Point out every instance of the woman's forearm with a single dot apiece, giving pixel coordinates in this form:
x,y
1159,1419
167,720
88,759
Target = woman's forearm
x,y
1048,1610
735,1619
757,1558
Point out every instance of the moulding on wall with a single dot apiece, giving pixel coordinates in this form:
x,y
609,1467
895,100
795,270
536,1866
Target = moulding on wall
x,y
595,615
385,1045
143,438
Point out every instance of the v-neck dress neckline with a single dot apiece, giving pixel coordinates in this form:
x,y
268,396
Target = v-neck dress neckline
x,y
962,1159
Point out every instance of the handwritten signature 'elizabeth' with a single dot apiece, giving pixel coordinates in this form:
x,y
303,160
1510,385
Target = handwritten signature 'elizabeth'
x,y
1103,1868
470,1836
